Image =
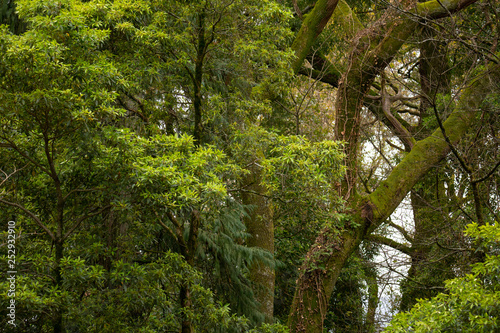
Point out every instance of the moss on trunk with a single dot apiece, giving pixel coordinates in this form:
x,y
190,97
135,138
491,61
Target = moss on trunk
x,y
428,152
317,279
312,26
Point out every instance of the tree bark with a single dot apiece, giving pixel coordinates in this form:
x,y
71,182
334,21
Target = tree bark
x,y
373,300
58,316
198,79
185,302
260,226
317,279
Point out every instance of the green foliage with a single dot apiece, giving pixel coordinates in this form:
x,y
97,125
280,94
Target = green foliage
x,y
226,260
175,175
471,303
268,328
128,297
302,174
89,95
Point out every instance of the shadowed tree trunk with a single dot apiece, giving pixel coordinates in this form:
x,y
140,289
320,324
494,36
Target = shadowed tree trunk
x,y
260,226
373,300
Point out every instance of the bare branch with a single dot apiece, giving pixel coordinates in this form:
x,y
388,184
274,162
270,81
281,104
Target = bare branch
x,y
475,181
402,133
402,230
394,146
178,232
297,9
10,175
164,226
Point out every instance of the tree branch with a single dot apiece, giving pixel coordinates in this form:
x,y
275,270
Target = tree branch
x,y
324,76
164,226
391,243
440,8
179,235
12,145
7,176
30,214
402,133
402,230
428,152
297,9
311,27
475,181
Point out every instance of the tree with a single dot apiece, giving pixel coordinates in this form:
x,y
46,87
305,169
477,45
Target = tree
x,y
86,134
46,132
372,52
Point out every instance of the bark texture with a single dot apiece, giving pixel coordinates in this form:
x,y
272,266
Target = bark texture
x,y
260,226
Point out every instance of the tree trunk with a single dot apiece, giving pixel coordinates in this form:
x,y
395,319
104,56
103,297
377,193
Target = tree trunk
x,y
188,250
185,301
317,279
260,226
371,281
198,79
58,316
312,26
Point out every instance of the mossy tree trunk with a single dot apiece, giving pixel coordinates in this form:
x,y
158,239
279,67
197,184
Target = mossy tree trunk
x,y
311,28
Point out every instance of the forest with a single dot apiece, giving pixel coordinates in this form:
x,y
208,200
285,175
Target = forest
x,y
261,166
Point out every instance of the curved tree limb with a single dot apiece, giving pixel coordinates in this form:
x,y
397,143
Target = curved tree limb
x,y
428,152
311,27
391,243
